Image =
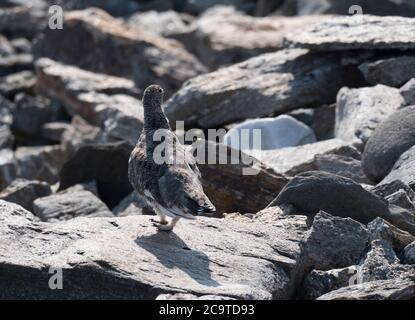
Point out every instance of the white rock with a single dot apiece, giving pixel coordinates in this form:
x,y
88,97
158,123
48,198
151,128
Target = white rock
x,y
280,132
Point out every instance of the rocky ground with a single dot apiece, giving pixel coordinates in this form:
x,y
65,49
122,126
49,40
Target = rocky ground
x,y
330,212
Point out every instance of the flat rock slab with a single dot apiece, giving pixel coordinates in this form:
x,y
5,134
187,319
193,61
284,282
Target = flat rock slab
x,y
359,32
269,83
109,258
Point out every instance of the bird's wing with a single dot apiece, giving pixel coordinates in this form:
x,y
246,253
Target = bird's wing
x,y
182,192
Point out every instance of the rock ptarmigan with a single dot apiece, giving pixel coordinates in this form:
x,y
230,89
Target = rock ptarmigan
x,y
169,180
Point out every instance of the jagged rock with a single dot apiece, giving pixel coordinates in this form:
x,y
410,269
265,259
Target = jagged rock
x,y
274,133
324,122
104,101
66,83
393,72
274,82
343,166
6,137
105,163
320,282
69,205
165,24
400,198
343,240
224,36
6,107
8,170
382,230
132,204
53,131
313,191
359,32
144,58
23,81
360,111
24,192
293,160
395,289
408,92
81,133
387,189
31,113
14,63
387,143
409,253
23,20
345,7
403,169
128,258
90,186
234,181
39,163
381,263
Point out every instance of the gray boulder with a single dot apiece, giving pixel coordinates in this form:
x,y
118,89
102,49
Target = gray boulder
x,y
127,258
387,143
403,169
142,57
24,192
132,204
358,32
8,169
69,205
13,63
272,83
343,240
53,131
360,111
294,160
313,191
382,230
6,137
393,72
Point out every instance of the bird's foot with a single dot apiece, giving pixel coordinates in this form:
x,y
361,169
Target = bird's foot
x,y
165,226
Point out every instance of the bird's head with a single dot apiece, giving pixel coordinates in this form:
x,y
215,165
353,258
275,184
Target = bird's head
x,y
153,96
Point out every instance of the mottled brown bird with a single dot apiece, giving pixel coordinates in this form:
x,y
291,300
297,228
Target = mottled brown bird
x,y
163,171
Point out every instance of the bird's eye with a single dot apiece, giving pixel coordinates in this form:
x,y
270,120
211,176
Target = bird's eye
x,y
160,90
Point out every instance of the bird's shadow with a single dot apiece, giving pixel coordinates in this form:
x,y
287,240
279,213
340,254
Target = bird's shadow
x,y
172,252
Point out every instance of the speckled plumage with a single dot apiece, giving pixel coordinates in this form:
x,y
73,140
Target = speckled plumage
x,y
173,189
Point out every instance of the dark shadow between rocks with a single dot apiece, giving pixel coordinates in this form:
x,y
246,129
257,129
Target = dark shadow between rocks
x,y
173,252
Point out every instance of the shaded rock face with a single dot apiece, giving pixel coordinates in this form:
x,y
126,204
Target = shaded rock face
x,y
409,253
355,33
128,258
343,240
393,72
275,133
110,47
23,81
8,170
24,192
105,163
243,184
314,191
132,204
390,139
360,111
69,205
274,82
